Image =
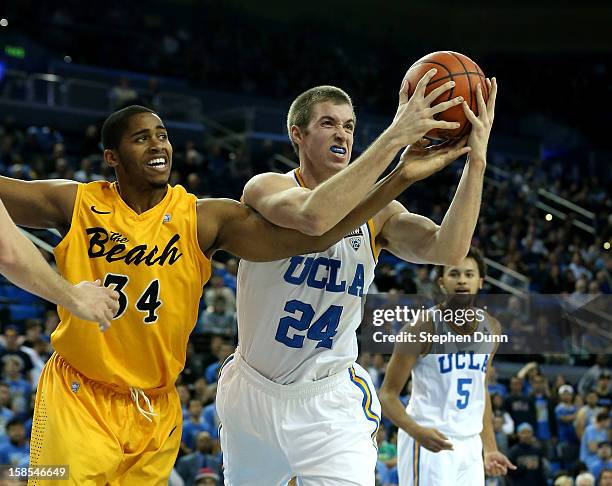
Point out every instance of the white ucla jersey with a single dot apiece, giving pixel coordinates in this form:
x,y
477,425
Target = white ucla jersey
x,y
448,384
297,316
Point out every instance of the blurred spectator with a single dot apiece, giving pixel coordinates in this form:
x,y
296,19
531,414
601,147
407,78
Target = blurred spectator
x,y
184,397
12,348
585,479
589,379
497,403
189,465
604,459
593,435
546,427
494,387
212,371
220,321
528,458
501,437
20,389
86,173
216,287
17,448
193,425
587,413
605,478
602,388
206,477
520,407
122,94
6,413
565,413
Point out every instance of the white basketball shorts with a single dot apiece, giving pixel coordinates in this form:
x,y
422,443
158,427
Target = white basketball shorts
x,y
322,432
463,466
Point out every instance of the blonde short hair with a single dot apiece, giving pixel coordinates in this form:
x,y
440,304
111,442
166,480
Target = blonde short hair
x,y
300,110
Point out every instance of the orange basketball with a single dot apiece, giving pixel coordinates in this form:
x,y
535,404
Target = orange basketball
x,y
456,67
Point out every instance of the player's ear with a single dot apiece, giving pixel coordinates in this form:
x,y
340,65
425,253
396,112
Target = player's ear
x,y
442,289
296,134
480,283
110,157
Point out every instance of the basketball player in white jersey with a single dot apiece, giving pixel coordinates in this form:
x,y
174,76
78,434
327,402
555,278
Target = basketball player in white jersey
x,y
292,401
449,417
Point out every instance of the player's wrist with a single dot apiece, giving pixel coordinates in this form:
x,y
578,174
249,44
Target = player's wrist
x,y
393,138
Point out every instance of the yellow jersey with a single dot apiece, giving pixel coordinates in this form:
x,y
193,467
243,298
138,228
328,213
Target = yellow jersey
x,y
154,261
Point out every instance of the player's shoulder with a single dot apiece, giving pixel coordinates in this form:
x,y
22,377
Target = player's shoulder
x,y
268,182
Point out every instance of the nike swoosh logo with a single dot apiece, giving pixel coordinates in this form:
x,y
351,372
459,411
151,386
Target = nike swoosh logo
x,y
93,208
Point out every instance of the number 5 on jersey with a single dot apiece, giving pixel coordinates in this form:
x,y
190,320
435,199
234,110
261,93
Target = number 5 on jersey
x,y
148,302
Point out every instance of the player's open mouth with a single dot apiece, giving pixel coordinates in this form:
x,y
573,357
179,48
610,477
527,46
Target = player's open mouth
x,y
462,291
338,150
158,163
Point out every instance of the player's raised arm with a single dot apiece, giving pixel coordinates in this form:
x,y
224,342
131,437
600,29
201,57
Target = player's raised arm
x,y
234,227
39,204
418,239
330,129
23,265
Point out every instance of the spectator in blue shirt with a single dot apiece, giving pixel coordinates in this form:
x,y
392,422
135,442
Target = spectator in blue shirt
x,y
496,388
6,413
212,371
565,414
545,424
20,389
193,425
17,448
189,465
593,435
604,460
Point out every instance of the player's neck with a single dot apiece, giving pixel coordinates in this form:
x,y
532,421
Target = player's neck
x,y
313,176
141,199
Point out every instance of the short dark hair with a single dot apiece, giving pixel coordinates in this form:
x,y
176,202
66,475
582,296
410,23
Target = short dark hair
x,y
477,256
601,416
117,122
14,421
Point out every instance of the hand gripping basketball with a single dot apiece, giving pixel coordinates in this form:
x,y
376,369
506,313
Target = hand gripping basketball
x,y
415,116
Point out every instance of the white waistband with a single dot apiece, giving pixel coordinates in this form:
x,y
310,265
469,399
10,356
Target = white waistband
x,y
293,390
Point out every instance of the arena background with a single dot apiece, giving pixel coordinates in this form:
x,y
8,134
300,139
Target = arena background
x,y
222,78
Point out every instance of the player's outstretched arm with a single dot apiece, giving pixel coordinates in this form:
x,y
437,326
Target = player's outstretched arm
x,y
396,375
234,227
418,239
314,212
39,204
23,265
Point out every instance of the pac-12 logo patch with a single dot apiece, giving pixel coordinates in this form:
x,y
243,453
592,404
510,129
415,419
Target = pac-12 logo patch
x,y
75,386
167,218
355,242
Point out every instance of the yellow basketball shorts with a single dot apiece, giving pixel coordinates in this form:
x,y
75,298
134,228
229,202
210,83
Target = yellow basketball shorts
x,y
99,433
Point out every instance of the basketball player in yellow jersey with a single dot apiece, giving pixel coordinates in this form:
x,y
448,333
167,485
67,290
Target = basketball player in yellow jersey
x,y
106,404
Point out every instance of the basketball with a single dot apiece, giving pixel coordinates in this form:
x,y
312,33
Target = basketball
x,y
456,67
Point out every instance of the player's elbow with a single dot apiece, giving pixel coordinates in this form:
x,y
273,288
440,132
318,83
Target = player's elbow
x,y
385,396
451,256
312,224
